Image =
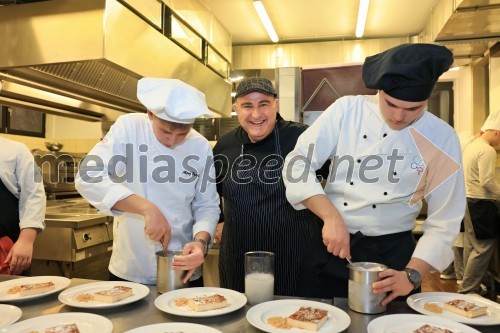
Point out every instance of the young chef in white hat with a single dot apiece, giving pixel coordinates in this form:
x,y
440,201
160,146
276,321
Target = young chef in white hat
x,y
152,173
380,147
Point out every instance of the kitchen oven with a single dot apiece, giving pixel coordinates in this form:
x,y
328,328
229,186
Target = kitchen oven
x,y
58,173
76,242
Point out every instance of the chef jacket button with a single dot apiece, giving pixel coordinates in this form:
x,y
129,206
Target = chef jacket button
x,y
351,183
385,193
385,134
364,136
374,206
359,160
345,203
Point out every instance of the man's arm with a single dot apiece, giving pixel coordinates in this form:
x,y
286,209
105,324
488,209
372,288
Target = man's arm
x,y
156,225
335,234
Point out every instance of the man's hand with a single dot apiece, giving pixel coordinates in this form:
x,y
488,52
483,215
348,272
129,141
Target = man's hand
x,y
218,233
336,237
193,255
156,226
394,283
19,257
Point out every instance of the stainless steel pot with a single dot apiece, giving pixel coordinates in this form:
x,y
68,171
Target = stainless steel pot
x,y
167,278
360,297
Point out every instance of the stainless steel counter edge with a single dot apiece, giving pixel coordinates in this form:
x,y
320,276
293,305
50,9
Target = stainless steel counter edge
x,y
144,312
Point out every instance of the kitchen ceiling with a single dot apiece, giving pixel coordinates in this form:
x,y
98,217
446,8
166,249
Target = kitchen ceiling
x,y
320,20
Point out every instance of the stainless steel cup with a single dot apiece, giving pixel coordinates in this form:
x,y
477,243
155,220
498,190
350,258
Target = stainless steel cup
x,y
167,278
361,298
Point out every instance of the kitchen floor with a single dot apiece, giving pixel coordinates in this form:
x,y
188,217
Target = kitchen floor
x,y
432,282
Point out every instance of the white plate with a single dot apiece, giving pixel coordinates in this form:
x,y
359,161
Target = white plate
x,y
185,327
86,322
59,282
337,321
417,302
9,314
165,302
403,323
68,296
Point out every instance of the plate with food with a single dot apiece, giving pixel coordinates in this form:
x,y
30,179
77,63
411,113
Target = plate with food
x,y
70,322
9,314
103,294
468,309
32,287
174,327
404,323
200,302
282,315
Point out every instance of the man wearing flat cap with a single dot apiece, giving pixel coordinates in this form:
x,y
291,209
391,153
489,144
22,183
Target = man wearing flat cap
x,y
483,198
387,153
151,173
257,216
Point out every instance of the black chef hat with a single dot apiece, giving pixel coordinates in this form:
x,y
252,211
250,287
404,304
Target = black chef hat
x,y
252,84
407,72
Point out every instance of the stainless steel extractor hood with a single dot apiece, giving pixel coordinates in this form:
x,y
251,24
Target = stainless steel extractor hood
x,y
469,29
82,59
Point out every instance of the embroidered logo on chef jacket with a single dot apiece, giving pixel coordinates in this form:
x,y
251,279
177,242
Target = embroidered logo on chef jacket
x,y
418,164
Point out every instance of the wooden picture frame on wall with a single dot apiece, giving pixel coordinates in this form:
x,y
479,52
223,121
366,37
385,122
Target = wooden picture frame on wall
x,y
22,121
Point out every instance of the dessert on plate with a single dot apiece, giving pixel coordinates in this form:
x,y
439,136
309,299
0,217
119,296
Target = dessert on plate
x,y
464,308
32,288
115,294
308,318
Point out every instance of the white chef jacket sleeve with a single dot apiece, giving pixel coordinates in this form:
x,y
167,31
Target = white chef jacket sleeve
x,y
94,181
32,199
446,209
313,148
205,204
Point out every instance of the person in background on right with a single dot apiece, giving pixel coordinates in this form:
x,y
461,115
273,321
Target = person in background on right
x,y
483,193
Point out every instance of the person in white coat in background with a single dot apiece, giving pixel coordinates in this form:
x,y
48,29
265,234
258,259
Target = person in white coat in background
x,y
387,153
482,224
155,175
22,206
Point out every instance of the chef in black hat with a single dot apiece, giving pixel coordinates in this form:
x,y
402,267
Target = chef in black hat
x,y
387,153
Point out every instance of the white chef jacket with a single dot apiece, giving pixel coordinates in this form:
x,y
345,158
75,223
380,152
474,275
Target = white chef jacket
x,y
22,178
480,160
353,126
179,181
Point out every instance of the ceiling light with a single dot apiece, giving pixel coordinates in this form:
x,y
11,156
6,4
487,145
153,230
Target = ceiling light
x,y
259,7
362,12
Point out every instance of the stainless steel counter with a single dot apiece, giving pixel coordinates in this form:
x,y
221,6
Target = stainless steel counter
x,y
144,312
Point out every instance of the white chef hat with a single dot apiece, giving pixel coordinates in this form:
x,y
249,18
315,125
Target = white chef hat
x,y
492,122
172,100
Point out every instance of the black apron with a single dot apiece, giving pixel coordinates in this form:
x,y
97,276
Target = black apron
x,y
258,217
9,214
324,275
484,217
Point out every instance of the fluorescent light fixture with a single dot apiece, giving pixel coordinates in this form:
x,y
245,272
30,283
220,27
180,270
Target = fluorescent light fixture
x,y
259,7
236,79
362,12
